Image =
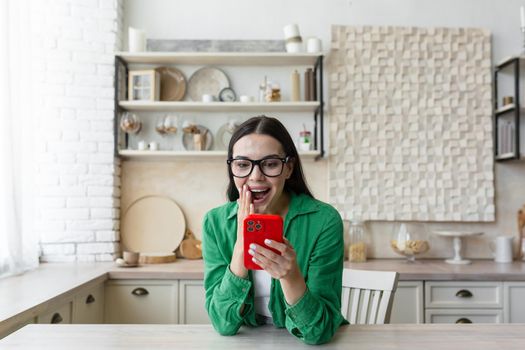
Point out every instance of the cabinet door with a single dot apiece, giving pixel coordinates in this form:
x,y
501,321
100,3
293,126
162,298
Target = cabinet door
x,y
137,301
463,316
8,328
61,314
191,302
88,305
514,295
408,303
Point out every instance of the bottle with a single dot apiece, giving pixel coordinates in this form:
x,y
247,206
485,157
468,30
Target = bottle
x,y
307,85
262,90
295,86
357,241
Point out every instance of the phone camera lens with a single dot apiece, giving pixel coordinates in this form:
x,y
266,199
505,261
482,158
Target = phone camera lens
x,y
250,229
250,222
258,226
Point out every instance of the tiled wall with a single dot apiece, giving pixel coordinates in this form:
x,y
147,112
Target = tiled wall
x,y
78,182
410,126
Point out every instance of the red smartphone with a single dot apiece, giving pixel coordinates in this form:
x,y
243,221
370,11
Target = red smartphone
x,y
257,228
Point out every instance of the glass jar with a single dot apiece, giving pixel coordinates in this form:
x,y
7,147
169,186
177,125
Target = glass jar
x,y
305,141
409,239
357,241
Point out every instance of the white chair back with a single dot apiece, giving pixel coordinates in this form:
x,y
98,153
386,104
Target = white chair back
x,y
368,295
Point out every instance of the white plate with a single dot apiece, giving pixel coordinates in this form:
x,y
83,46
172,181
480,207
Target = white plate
x,y
224,134
189,145
207,81
152,224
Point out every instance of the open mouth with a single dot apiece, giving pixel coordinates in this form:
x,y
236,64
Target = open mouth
x,y
259,195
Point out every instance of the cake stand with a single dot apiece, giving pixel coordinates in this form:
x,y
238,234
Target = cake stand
x,y
457,236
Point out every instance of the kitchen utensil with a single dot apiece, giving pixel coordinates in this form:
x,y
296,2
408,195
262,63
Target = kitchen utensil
x,y
501,249
188,140
521,229
172,84
190,247
457,244
207,80
157,258
152,224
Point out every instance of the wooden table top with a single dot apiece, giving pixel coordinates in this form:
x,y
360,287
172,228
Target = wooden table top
x,y
355,337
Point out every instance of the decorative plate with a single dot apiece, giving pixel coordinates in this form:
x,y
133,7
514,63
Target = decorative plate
x,y
224,134
152,224
189,143
172,84
207,80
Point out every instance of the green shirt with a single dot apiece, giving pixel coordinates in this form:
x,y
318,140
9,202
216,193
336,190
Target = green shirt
x,y
315,231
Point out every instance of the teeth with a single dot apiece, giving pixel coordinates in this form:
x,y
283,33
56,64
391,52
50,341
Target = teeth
x,y
258,191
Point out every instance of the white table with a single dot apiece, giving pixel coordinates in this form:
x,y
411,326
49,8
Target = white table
x,y
417,336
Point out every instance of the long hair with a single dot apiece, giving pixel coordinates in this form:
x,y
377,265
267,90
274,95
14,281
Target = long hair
x,y
264,125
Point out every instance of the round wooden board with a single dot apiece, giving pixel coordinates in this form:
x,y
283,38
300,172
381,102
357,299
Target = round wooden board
x,y
153,224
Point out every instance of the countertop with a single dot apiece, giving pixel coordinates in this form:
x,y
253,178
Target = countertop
x,y
356,337
29,294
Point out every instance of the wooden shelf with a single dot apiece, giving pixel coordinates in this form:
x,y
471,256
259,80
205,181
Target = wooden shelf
x,y
219,106
193,155
221,58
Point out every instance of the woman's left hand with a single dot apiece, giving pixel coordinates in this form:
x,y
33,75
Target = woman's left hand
x,y
279,266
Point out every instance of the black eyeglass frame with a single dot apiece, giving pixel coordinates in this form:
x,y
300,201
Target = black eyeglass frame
x,y
257,162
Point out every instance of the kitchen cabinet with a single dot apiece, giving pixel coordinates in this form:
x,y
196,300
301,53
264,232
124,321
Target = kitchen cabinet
x,y
191,302
151,109
88,305
60,314
408,305
141,301
514,302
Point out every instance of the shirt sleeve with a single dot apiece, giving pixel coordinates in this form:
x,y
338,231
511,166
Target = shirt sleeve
x,y
317,315
226,293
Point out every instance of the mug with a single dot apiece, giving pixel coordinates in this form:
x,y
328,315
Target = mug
x,y
131,258
313,45
153,146
502,249
141,145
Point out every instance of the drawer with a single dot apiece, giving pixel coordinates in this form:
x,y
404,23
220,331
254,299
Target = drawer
x,y
463,316
88,306
463,295
61,314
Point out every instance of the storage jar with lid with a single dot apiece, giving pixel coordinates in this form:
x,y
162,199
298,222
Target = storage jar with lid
x,y
357,241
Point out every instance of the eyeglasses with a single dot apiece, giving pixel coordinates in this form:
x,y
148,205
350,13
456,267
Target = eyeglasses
x,y
270,166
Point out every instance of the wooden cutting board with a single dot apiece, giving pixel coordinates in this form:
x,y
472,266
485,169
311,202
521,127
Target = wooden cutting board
x,y
157,258
154,226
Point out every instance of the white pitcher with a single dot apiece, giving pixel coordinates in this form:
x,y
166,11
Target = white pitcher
x,y
502,249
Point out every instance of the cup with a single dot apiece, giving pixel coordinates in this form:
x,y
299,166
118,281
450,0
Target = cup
x,y
153,146
131,258
502,249
291,30
141,145
207,98
313,45
136,40
245,99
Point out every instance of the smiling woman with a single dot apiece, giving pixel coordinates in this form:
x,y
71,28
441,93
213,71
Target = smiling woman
x,y
18,248
299,286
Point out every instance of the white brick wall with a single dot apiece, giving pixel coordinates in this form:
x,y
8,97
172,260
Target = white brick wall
x,y
78,182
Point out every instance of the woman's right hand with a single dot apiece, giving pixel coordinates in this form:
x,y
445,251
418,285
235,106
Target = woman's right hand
x,y
245,208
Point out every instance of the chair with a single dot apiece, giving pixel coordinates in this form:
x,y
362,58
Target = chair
x,y
368,295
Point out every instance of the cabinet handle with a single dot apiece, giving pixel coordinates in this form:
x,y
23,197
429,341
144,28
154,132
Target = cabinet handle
x,y
90,299
56,318
464,293
139,292
463,320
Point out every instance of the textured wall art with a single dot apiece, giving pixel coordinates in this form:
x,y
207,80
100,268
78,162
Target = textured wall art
x,y
410,123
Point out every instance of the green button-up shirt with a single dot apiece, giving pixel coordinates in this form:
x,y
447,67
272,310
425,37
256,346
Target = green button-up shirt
x,y
315,231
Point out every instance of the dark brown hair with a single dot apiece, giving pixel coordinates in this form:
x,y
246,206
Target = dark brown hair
x,y
264,125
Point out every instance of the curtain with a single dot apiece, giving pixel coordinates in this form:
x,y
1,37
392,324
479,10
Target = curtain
x,y
18,241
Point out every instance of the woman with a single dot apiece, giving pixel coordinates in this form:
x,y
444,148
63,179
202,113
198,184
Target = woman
x,y
300,288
